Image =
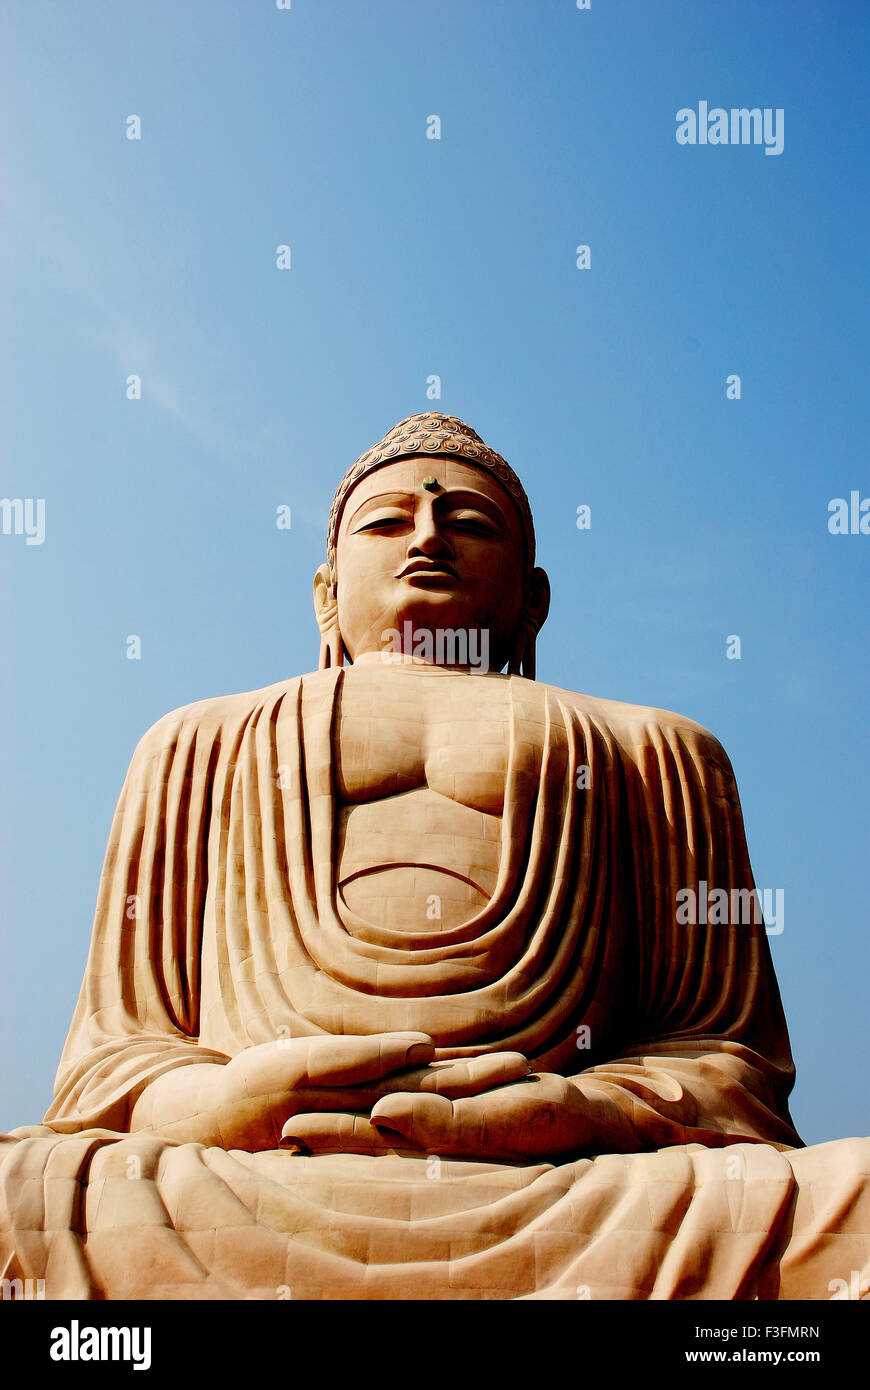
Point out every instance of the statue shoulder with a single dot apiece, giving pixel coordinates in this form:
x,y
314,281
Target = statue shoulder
x,y
636,727
211,716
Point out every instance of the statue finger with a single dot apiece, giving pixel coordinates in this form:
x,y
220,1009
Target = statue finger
x,y
426,1121
334,1132
347,1060
522,1120
468,1076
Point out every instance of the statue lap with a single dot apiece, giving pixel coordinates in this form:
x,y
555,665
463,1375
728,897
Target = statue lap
x,y
131,1217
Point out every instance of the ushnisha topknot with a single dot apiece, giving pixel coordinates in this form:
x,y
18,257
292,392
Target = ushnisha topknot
x,y
432,433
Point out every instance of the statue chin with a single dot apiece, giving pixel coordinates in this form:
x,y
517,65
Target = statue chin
x,y
408,897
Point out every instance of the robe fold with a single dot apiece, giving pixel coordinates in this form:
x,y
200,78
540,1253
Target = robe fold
x,y
219,925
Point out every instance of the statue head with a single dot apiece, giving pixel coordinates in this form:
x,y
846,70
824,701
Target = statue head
x,y
431,532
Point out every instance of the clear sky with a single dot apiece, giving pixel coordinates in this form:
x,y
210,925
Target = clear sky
x,y
413,257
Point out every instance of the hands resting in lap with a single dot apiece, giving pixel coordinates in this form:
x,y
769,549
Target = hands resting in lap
x,y
359,1095
367,1094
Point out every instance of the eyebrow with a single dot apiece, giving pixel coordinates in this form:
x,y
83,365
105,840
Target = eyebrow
x,y
467,497
383,499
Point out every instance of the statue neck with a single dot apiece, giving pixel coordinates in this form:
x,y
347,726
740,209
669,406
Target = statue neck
x,y
388,659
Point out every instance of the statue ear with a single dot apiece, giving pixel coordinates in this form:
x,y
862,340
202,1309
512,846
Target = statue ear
x,y
324,591
534,615
326,613
537,604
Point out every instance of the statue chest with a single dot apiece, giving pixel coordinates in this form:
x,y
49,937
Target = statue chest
x,y
421,762
397,731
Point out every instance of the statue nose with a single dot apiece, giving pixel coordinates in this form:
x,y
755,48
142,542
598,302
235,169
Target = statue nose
x,y
428,540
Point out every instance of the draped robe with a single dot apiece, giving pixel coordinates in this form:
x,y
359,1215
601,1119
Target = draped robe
x,y
219,926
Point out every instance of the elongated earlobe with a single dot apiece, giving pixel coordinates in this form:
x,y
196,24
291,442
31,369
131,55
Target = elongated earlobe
x,y
537,606
331,650
326,611
522,662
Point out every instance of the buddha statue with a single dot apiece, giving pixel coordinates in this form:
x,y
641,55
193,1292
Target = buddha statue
x,y
389,995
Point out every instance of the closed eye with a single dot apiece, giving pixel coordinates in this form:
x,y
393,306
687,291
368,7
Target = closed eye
x,y
472,523
382,523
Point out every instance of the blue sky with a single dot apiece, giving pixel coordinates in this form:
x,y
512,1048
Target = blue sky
x,y
456,257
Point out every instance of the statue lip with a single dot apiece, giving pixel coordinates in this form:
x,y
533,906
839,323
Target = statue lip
x,y
440,569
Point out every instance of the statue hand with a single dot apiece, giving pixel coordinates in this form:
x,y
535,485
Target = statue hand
x,y
539,1116
361,1120
264,1084
243,1103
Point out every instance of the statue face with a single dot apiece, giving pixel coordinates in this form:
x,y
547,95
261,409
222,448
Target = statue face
x,y
445,558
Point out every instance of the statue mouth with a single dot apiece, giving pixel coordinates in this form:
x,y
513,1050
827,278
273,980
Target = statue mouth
x,y
425,570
